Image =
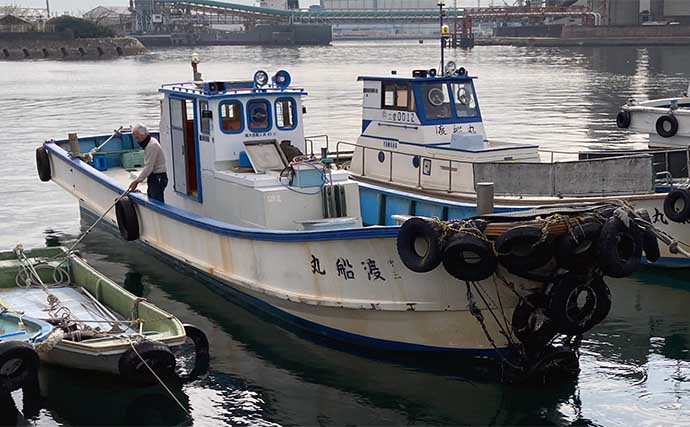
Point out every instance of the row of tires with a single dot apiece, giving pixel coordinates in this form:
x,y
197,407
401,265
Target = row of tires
x,y
666,125
613,247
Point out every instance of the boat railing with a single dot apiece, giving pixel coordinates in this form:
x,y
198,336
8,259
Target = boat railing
x,y
310,143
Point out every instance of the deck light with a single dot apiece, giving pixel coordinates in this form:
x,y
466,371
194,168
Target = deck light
x,y
450,68
260,78
282,79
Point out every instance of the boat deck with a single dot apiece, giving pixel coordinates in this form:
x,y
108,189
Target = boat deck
x,y
34,303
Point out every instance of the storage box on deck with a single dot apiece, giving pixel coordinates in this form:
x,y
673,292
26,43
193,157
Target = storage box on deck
x,y
132,159
100,162
308,176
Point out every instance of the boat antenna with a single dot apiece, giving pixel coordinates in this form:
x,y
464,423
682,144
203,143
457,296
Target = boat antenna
x,y
445,33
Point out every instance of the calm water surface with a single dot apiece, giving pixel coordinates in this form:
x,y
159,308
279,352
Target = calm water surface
x,y
635,365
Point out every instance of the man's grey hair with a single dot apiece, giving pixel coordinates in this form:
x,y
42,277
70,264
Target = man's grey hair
x,y
140,129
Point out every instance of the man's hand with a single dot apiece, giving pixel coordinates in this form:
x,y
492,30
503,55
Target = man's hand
x,y
133,186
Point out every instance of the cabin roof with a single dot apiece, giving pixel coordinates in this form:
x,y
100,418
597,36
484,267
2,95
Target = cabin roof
x,y
231,89
437,79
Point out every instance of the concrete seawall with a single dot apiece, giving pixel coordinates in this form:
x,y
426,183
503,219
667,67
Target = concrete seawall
x,y
56,46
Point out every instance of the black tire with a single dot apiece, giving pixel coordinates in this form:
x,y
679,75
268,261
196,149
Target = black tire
x,y
677,205
420,244
469,258
577,250
620,248
661,124
623,119
43,164
553,365
157,355
18,365
201,353
127,219
650,245
571,315
530,324
522,249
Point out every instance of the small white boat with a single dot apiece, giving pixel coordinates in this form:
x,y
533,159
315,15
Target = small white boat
x,y
96,324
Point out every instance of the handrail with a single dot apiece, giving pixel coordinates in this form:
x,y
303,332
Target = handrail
x,y
310,140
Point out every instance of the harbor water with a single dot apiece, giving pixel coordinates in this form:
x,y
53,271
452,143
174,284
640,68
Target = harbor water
x,y
635,365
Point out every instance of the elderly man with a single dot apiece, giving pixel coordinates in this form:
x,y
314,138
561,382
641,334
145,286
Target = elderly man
x,y
154,164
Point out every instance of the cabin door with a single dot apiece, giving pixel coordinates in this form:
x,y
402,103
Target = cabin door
x,y
184,147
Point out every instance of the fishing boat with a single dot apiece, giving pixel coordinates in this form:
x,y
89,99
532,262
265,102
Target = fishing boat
x,y
292,235
424,150
96,324
19,336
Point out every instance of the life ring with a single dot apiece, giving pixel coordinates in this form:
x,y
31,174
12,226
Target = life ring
x,y
43,164
577,250
420,245
576,303
650,245
156,355
620,248
530,323
523,248
623,119
661,126
18,365
201,354
469,258
677,205
127,219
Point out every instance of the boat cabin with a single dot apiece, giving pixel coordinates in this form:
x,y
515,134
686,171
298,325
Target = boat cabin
x,y
424,129
229,147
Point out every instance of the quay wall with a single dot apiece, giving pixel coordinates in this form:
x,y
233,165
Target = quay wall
x,y
15,47
638,31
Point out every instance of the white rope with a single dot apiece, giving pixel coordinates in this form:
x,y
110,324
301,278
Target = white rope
x,y
131,343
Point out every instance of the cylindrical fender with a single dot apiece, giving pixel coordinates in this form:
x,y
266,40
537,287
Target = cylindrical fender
x,y
619,248
420,244
524,248
469,258
156,355
677,205
201,354
127,219
43,164
577,249
667,126
576,303
623,119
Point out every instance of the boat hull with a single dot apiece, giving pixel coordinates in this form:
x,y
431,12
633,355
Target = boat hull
x,y
346,284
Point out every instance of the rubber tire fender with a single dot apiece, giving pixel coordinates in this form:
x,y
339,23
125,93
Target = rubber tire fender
x,y
156,354
18,365
577,251
201,353
562,295
660,126
620,248
623,119
127,219
672,198
43,164
520,249
523,322
419,228
650,245
469,258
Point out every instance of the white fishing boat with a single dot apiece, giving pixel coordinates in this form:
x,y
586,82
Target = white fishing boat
x,y
288,232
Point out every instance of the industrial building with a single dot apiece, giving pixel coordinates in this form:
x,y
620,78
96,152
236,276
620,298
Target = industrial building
x,y
379,4
670,11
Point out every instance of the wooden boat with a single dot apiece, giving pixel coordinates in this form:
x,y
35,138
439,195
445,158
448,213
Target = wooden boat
x,y
99,325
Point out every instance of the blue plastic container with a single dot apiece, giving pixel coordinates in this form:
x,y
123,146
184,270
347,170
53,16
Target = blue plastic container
x,y
100,163
244,160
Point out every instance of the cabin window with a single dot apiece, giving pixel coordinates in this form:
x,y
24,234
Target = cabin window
x,y
396,97
286,118
258,115
205,122
231,116
465,105
436,101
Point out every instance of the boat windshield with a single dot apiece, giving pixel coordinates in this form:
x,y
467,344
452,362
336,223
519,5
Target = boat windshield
x,y
436,100
465,105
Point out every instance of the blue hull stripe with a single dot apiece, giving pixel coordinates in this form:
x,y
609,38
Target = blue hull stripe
x,y
220,227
